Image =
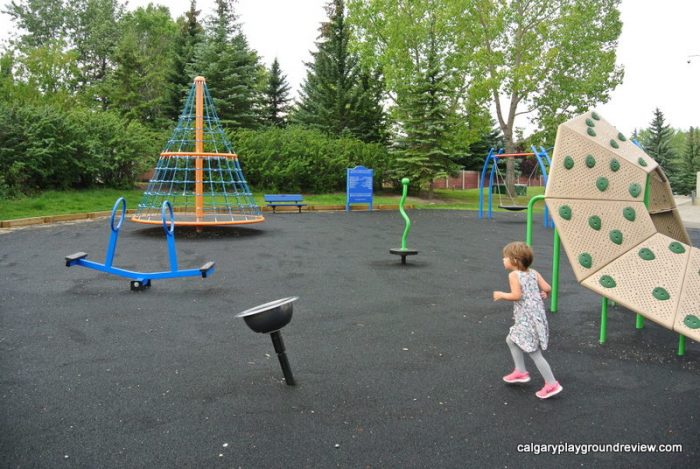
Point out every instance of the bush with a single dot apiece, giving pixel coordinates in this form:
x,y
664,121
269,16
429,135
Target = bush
x,y
297,159
43,147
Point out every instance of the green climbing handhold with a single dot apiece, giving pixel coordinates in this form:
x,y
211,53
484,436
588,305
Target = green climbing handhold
x,y
642,161
621,137
614,165
568,162
635,189
616,236
565,212
590,161
629,213
601,183
614,144
676,248
590,132
660,294
691,322
590,123
595,222
647,254
595,115
585,260
607,281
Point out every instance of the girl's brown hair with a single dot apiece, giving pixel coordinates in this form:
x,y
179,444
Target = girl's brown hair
x,y
519,253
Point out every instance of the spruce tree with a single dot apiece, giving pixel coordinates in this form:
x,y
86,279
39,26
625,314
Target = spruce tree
x,y
191,34
276,97
232,70
336,97
658,141
689,163
423,151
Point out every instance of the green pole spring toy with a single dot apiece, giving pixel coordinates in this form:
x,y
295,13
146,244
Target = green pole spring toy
x,y
403,251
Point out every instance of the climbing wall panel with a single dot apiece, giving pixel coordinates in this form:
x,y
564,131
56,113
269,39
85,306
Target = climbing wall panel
x,y
596,232
584,169
661,196
688,316
648,279
670,224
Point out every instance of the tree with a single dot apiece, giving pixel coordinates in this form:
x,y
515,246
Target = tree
x,y
276,97
337,95
95,33
689,164
657,141
42,21
191,35
233,71
422,47
549,59
140,88
422,151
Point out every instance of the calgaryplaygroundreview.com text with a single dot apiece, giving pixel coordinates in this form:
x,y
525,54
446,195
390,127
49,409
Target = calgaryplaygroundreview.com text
x,y
586,448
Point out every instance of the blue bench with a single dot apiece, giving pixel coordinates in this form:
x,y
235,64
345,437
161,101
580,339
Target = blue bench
x,y
284,200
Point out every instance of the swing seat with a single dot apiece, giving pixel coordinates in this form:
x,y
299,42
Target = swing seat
x,y
513,208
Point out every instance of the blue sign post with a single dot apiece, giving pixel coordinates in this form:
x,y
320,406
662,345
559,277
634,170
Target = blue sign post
x,y
359,186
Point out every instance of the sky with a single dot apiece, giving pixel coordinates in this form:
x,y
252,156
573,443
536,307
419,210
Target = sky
x,y
658,38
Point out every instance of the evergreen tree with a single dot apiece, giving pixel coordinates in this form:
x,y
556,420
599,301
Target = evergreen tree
x,y
336,97
232,70
191,34
276,97
689,163
658,141
423,151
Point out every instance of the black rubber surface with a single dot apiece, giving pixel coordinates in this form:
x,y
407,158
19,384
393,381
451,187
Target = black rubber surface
x,y
396,365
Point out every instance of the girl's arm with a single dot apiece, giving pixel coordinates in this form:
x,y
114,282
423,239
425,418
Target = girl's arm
x,y
515,292
543,286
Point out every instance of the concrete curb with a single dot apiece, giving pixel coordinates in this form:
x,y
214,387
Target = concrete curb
x,y
47,220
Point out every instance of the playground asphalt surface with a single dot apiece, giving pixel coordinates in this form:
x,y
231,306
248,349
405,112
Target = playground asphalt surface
x,y
396,366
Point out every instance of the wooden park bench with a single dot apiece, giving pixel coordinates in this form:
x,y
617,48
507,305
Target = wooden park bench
x,y
284,200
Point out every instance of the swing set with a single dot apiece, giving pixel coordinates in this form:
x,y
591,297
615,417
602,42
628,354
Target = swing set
x,y
512,199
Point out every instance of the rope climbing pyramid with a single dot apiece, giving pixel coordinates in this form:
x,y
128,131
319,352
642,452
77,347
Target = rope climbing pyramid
x,y
615,213
198,172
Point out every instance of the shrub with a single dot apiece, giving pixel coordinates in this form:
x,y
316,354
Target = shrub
x,y
297,159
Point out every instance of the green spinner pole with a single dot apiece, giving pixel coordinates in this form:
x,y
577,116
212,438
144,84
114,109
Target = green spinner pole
x,y
404,182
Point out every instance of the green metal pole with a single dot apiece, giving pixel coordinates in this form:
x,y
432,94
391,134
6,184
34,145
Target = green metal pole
x,y
530,205
603,319
554,306
681,345
405,182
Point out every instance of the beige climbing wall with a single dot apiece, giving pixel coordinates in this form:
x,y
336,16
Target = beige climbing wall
x,y
638,256
595,232
661,196
688,316
670,224
647,279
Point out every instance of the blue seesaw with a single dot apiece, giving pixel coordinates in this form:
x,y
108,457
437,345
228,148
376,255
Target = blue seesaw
x,y
141,280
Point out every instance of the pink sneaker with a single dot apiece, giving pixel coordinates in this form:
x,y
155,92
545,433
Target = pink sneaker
x,y
517,377
549,390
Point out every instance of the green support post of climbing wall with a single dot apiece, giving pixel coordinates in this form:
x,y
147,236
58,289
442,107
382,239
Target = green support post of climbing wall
x,y
554,305
681,345
603,319
556,248
639,323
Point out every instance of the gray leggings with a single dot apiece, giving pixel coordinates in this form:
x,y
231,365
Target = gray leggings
x,y
536,356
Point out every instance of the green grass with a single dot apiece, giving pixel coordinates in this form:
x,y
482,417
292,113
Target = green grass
x,y
98,200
